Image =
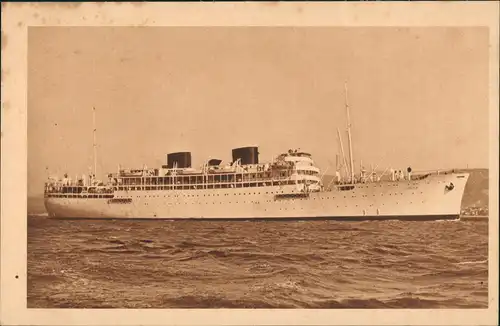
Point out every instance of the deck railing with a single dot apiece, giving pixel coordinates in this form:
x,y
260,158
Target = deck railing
x,y
237,180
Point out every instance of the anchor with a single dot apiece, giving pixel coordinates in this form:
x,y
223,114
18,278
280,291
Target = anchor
x,y
450,186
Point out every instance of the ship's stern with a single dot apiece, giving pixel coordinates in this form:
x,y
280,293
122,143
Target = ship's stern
x,y
50,206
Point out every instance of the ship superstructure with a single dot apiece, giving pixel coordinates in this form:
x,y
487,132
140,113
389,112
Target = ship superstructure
x,y
289,186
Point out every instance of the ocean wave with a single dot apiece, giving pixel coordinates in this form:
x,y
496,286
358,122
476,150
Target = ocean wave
x,y
39,214
197,301
473,262
192,244
348,303
454,273
412,303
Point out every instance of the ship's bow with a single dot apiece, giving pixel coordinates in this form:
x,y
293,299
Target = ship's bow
x,y
452,193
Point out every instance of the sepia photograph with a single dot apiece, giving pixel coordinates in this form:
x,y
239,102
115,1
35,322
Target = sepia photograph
x,y
200,128
253,166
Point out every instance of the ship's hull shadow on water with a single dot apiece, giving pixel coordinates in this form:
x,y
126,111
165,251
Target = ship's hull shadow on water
x,y
280,219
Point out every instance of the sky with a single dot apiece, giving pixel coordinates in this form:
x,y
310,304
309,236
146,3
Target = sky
x,y
418,96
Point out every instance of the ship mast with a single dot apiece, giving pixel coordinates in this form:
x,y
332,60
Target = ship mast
x,y
343,154
349,134
94,142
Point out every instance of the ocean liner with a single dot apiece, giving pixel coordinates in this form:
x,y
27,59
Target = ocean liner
x,y
290,186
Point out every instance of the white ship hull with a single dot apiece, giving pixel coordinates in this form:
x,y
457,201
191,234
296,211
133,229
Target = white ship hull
x,y
423,199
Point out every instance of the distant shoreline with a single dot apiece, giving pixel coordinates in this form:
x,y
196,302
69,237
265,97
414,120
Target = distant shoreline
x,y
474,218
